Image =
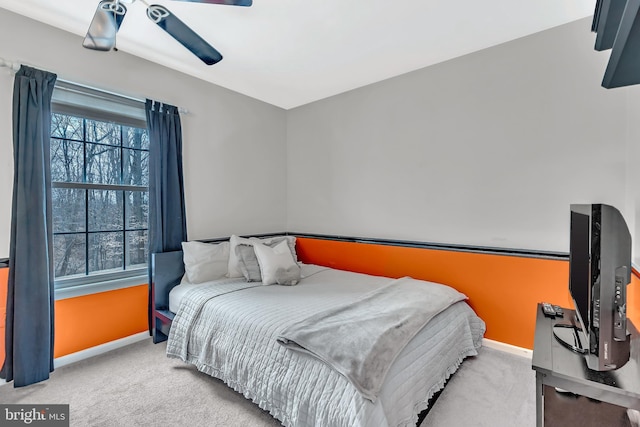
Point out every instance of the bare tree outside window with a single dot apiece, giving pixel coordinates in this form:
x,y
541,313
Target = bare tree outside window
x,y
100,176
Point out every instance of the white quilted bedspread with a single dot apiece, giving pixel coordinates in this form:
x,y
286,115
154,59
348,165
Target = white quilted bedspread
x,y
228,329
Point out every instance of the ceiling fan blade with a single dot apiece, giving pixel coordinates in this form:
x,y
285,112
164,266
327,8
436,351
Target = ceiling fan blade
x,y
101,34
185,35
229,2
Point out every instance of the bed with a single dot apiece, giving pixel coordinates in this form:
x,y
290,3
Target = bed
x,y
231,329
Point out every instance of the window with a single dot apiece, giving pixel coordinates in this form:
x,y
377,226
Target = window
x,y
100,197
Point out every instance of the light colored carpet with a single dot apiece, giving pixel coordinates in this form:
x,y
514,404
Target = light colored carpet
x,y
138,385
493,389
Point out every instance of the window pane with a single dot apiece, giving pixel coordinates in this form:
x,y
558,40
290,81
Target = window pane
x,y
63,126
105,252
68,209
105,210
98,230
135,138
68,254
103,164
136,248
103,132
67,160
136,167
137,209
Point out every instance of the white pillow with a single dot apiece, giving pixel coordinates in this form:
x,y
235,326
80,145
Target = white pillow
x,y
234,262
277,264
271,241
205,261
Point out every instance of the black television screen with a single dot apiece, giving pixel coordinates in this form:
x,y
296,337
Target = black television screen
x,y
579,269
599,271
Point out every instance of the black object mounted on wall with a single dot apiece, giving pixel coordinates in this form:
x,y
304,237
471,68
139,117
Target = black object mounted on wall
x,y
617,27
624,64
606,20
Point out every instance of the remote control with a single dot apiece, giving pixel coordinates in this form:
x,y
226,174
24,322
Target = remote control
x,y
559,311
548,310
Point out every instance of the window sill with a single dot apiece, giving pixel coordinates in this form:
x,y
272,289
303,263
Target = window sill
x,y
105,286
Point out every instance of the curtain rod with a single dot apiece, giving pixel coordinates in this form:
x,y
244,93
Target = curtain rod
x,y
15,66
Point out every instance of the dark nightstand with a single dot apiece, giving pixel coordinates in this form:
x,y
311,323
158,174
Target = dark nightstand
x,y
588,398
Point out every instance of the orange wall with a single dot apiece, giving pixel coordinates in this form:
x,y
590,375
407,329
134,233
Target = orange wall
x,y
633,299
503,290
90,320
95,319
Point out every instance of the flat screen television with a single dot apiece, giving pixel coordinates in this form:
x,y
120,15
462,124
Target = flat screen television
x,y
599,272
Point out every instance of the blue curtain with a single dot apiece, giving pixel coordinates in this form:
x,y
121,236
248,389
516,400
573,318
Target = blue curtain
x,y
167,219
30,297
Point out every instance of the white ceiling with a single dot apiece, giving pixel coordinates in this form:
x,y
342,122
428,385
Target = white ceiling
x,y
292,52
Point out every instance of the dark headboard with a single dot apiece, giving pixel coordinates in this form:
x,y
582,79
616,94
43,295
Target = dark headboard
x,y
167,270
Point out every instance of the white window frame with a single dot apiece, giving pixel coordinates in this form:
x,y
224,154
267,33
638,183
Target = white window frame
x,y
92,104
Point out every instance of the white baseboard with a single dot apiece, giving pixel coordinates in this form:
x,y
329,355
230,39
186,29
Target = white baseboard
x,y
508,348
99,349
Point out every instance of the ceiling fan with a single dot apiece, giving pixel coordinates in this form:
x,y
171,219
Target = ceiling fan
x,y
101,34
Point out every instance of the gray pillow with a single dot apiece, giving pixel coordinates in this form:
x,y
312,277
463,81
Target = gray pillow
x,y
247,260
248,263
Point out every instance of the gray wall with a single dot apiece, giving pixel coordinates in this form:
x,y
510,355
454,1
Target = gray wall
x,y
234,146
486,149
632,170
